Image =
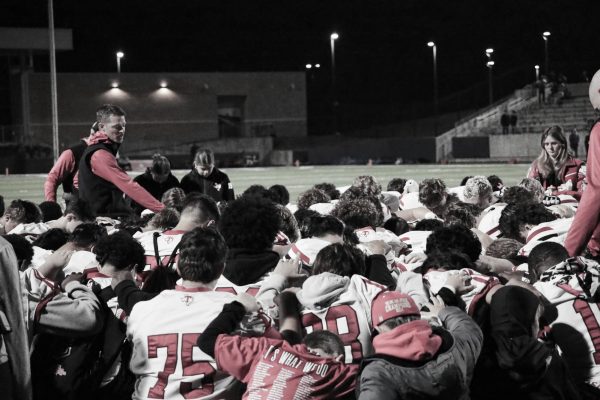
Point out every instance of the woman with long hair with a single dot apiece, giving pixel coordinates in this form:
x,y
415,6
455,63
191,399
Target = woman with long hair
x,y
555,168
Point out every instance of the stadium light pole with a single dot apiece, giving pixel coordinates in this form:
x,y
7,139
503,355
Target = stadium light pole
x,y
537,72
490,65
435,81
120,55
53,89
332,38
545,36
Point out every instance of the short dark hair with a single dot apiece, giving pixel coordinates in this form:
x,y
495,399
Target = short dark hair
x,y
368,185
167,218
52,239
206,205
312,196
328,342
174,198
359,213
505,248
50,210
463,213
279,194
340,259
429,224
544,256
396,225
202,255
87,234
303,217
496,182
447,259
517,194
104,112
160,164
321,225
24,211
329,189
396,184
250,222
457,237
120,250
80,209
516,215
287,223
257,190
23,250
432,193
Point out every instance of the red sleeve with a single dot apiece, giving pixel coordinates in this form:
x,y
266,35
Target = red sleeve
x,y
64,166
105,166
588,213
236,355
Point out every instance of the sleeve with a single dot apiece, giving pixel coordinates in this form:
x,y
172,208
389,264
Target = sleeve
x,y
532,172
411,284
105,166
270,288
579,181
64,166
129,295
467,335
588,213
375,383
224,323
186,184
77,312
378,271
237,354
227,189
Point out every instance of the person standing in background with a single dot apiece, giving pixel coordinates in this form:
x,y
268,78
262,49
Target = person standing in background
x,y
208,179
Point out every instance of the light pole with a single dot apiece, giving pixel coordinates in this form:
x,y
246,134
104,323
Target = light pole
x,y
537,72
545,36
490,66
332,38
435,81
120,55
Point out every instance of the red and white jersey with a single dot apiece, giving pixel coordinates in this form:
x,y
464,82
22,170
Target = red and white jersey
x,y
273,369
306,250
39,256
225,285
410,200
341,305
581,316
166,243
80,261
489,220
166,360
481,285
416,239
553,231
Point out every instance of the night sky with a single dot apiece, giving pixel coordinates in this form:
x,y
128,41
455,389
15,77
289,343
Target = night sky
x,y
382,59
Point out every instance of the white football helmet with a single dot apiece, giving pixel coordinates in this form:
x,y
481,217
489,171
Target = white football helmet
x,y
595,91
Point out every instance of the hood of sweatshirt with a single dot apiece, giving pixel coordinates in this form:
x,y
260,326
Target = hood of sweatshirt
x,y
413,341
319,291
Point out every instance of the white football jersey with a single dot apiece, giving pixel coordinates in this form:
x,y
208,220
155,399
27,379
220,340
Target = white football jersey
x,y
348,310
489,220
410,200
306,250
416,239
166,360
580,316
225,285
553,231
166,243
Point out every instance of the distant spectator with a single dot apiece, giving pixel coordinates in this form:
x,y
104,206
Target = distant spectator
x,y
574,141
207,179
157,179
505,122
540,84
513,121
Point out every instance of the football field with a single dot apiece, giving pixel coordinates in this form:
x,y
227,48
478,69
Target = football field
x,y
298,179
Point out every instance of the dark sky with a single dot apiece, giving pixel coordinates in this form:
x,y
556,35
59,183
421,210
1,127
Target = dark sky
x,y
381,56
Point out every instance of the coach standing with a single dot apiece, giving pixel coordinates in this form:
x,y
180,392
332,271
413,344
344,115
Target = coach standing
x,y
102,182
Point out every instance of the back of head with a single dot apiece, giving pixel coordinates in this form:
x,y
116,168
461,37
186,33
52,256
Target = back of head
x,y
594,91
326,224
23,250
515,215
250,222
174,198
359,213
287,223
518,194
447,260
201,208
304,217
257,190
204,157
160,165
544,256
312,196
80,210
504,248
432,193
496,182
455,237
50,210
329,343
202,254
52,239
329,189
368,185
24,212
461,213
87,235
339,259
396,225
279,194
428,224
534,187
105,111
119,250
396,184
478,191
167,218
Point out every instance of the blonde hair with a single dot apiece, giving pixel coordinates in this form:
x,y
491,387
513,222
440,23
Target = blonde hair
x,y
545,164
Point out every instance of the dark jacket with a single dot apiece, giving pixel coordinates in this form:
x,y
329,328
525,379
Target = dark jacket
x,y
154,188
246,266
444,375
216,185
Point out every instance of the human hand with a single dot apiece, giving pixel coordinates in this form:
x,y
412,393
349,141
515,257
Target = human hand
x,y
248,301
415,257
288,268
461,283
377,247
435,305
71,278
60,257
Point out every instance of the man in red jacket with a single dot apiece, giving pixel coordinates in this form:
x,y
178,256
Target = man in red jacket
x,y
585,229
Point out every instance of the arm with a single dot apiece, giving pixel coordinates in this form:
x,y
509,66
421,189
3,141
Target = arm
x,y
227,189
64,166
588,212
225,323
378,271
77,312
105,166
375,383
128,295
289,319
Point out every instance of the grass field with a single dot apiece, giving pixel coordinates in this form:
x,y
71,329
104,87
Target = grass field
x,y
298,179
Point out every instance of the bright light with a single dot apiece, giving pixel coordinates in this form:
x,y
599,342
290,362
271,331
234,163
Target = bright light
x,y
430,44
163,84
546,34
114,85
120,54
308,66
536,67
317,65
489,51
490,64
334,36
